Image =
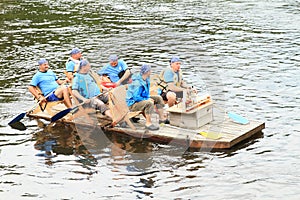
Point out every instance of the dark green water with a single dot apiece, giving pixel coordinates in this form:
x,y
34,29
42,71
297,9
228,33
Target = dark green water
x,y
244,53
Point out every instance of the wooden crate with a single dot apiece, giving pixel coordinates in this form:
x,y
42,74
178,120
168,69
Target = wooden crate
x,y
195,118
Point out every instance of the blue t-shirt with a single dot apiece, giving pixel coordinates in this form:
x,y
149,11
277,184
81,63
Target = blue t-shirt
x,y
113,72
46,81
86,85
169,75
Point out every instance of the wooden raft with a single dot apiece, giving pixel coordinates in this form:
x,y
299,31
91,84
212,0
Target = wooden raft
x,y
229,133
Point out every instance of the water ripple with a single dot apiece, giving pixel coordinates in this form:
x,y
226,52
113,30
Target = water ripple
x,y
246,54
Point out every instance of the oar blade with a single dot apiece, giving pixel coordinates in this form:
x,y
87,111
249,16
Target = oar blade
x,y
17,118
18,125
210,135
237,118
60,115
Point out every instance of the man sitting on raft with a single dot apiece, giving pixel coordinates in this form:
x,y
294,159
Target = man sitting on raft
x,y
46,80
85,89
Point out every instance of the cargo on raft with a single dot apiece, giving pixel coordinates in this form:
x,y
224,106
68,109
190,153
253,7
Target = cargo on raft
x,y
197,125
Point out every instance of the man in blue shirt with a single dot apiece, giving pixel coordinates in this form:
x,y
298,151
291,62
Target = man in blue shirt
x,y
73,62
175,85
138,98
116,70
85,89
49,85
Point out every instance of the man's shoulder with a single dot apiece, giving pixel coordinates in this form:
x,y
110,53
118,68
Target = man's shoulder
x,y
80,78
70,63
121,62
50,72
168,72
103,69
168,75
80,75
44,73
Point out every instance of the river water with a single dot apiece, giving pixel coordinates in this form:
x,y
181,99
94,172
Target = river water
x,y
244,53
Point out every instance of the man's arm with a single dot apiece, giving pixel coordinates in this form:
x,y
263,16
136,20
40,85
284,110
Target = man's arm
x,y
70,67
173,87
33,90
169,79
69,76
124,77
103,71
60,82
79,96
185,85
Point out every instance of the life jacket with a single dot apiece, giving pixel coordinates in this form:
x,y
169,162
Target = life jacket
x,y
162,85
77,63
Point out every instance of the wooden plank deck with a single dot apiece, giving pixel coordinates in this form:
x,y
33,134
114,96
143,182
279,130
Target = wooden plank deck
x,y
230,133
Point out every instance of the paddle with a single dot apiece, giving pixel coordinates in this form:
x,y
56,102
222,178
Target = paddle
x,y
235,117
18,125
63,113
22,115
17,118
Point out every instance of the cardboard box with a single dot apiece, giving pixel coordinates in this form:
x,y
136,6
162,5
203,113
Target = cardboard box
x,y
195,118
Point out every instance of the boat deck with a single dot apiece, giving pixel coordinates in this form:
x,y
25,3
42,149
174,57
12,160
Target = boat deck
x,y
216,135
221,133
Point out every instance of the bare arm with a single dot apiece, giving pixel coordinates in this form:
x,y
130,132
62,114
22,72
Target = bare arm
x,y
124,77
59,82
69,76
173,87
185,85
34,91
79,96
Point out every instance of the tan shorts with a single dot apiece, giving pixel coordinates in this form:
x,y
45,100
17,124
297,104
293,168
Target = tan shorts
x,y
147,106
98,105
158,101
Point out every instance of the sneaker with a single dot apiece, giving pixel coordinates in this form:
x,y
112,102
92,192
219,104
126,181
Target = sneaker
x,y
152,127
166,121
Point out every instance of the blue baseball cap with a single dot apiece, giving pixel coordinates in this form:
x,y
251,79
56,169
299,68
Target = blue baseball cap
x,y
42,61
175,59
145,68
75,51
113,58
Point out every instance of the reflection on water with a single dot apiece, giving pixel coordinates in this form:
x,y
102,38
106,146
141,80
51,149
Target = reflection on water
x,y
85,142
59,139
245,53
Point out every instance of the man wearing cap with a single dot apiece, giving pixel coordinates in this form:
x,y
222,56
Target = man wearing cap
x,y
174,83
138,97
116,70
85,89
73,62
49,84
